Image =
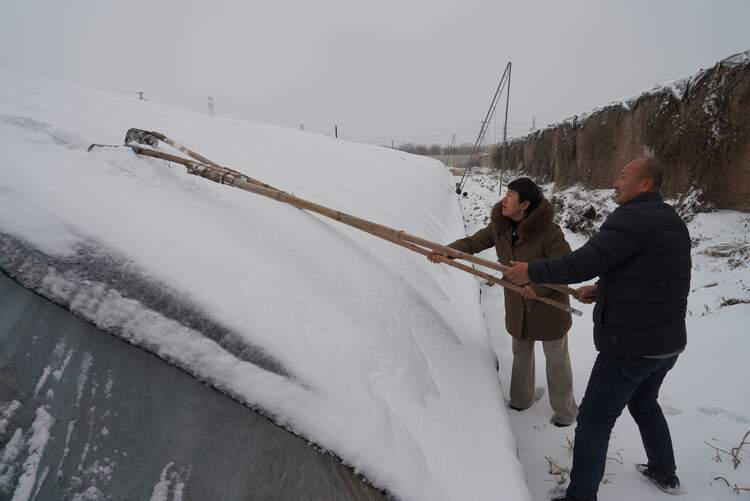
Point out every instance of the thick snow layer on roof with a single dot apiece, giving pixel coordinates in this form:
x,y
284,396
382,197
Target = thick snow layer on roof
x,y
358,345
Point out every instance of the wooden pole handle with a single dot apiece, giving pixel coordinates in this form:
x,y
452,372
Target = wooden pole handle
x,y
406,236
247,184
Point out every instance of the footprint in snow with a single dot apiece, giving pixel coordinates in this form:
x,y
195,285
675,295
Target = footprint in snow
x,y
723,415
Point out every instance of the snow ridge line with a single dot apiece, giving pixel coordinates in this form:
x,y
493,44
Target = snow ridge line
x,y
99,272
96,302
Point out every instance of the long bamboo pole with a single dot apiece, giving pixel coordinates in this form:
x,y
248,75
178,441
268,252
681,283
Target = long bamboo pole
x,y
476,260
201,159
448,251
375,229
490,278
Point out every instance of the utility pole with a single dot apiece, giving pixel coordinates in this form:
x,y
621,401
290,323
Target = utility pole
x,y
495,141
336,130
453,149
507,103
505,130
504,81
392,147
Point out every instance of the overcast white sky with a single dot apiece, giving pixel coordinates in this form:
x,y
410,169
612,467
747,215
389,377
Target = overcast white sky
x,y
403,70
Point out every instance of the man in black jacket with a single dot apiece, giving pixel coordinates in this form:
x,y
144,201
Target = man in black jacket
x,y
642,258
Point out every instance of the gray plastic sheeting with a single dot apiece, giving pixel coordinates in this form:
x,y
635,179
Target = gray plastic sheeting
x,y
84,416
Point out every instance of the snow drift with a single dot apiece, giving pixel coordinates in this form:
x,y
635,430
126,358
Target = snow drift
x,y
361,347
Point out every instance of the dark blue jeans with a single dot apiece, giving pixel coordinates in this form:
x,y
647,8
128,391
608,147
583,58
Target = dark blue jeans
x,y
614,383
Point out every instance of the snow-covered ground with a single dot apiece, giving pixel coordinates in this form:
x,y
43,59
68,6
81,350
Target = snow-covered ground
x,y
360,346
705,397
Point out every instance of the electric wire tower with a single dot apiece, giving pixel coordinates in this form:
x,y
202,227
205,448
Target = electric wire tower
x,y
504,85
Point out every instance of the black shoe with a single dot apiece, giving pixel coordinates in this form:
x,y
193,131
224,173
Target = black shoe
x,y
666,482
516,408
562,498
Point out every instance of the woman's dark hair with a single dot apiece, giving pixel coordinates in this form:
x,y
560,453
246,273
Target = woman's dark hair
x,y
528,191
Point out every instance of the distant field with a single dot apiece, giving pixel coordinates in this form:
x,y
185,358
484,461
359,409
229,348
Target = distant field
x,y
450,159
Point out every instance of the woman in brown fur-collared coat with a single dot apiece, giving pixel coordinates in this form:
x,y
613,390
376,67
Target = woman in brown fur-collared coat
x,y
521,229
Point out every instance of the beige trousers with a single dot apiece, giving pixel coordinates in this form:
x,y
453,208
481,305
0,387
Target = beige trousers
x,y
559,378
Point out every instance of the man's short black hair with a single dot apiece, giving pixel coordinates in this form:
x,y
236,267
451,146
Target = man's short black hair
x,y
653,169
528,191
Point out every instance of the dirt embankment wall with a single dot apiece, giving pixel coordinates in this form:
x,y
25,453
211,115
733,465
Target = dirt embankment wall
x,y
699,127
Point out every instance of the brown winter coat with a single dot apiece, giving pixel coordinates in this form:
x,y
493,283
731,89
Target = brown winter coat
x,y
538,237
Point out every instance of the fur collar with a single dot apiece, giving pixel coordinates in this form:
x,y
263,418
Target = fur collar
x,y
536,222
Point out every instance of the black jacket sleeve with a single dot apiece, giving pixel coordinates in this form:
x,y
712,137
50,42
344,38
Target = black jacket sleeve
x,y
616,241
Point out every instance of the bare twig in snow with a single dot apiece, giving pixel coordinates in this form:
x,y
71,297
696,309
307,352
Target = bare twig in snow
x,y
734,453
559,471
736,450
608,478
568,446
737,489
719,452
617,457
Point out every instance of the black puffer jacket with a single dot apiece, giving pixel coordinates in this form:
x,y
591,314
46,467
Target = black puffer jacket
x,y
642,258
